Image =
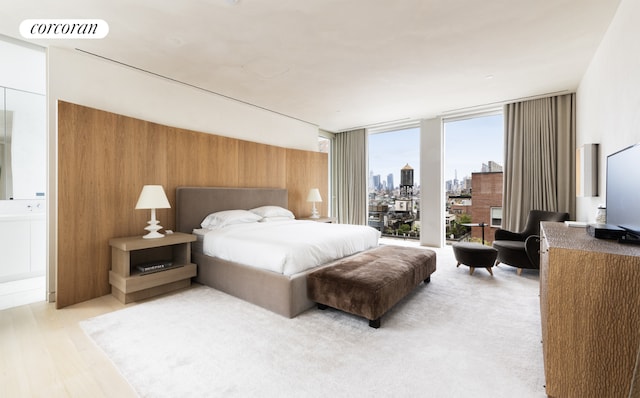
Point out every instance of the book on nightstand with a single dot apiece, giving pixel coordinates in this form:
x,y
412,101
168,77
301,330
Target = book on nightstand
x,y
148,268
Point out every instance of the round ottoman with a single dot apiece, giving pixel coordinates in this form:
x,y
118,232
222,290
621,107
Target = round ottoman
x,y
475,255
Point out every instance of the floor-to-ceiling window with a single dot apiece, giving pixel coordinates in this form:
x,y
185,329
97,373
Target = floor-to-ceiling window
x,y
394,182
474,156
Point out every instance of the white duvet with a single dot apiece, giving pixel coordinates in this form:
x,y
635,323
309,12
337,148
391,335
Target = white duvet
x,y
287,247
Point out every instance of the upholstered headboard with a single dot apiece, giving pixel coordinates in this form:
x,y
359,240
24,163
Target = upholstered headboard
x,y
193,204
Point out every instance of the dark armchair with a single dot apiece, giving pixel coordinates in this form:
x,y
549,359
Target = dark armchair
x,y
522,249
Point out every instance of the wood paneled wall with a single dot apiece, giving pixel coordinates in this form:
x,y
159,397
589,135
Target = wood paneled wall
x,y
104,159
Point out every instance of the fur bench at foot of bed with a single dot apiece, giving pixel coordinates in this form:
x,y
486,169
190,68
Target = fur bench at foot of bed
x,y
369,283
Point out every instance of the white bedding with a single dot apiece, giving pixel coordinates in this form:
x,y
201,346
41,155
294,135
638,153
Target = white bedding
x,y
289,246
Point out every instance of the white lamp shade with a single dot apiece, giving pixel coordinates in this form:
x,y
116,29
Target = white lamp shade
x,y
314,195
153,197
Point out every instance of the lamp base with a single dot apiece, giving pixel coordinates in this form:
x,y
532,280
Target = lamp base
x,y
153,235
314,212
153,229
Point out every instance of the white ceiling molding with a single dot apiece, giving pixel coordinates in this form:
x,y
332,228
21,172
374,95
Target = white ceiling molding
x,y
394,126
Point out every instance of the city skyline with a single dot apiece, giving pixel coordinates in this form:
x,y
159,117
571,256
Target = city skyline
x,y
468,144
390,152
471,142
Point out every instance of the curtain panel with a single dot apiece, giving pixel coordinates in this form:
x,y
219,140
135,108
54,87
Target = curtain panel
x,y
350,177
539,172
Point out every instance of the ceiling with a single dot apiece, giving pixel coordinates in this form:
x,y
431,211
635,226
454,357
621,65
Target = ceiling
x,y
341,64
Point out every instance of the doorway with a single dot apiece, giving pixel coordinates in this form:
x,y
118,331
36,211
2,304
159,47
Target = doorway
x,y
23,170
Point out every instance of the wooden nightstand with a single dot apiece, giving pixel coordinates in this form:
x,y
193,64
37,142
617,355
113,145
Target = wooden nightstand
x,y
130,284
321,219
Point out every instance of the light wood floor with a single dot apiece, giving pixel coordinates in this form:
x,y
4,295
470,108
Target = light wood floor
x,y
45,353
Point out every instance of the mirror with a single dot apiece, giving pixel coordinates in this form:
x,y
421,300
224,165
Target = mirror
x,y
23,145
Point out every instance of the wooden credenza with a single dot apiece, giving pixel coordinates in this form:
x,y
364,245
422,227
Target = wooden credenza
x,y
590,309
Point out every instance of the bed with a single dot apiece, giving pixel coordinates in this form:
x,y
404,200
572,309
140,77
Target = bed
x,y
284,293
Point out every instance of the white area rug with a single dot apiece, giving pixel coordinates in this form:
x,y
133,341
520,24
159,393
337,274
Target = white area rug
x,y
458,336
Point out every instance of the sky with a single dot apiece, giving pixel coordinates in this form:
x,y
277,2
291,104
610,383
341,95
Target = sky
x,y
468,144
471,142
390,152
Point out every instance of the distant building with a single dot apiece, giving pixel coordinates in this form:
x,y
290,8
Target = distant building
x,y
376,182
465,186
459,205
390,185
487,203
491,167
457,187
448,186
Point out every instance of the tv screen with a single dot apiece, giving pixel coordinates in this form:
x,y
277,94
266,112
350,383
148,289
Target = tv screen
x,y
623,189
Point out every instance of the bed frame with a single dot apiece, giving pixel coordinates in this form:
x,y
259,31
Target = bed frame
x,y
284,295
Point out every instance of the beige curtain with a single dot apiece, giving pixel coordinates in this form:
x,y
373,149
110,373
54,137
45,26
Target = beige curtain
x,y
350,177
539,172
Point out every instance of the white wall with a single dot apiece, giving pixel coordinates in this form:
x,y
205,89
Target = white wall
x,y
608,97
90,81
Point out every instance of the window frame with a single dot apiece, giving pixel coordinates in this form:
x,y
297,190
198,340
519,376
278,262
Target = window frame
x,y
491,218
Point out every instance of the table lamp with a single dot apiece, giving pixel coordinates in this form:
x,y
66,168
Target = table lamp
x,y
153,197
314,196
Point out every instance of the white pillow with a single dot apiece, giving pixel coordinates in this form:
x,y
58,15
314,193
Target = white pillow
x,y
272,211
272,219
228,217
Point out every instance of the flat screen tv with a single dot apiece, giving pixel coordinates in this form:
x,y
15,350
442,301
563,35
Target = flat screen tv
x,y
623,190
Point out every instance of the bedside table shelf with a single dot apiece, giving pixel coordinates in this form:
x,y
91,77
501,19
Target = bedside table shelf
x,y
129,284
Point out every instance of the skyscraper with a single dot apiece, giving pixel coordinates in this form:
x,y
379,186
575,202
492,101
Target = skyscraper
x,y
376,182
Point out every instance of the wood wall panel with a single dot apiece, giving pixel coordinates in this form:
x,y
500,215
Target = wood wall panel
x,y
81,159
306,170
104,159
199,159
262,166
